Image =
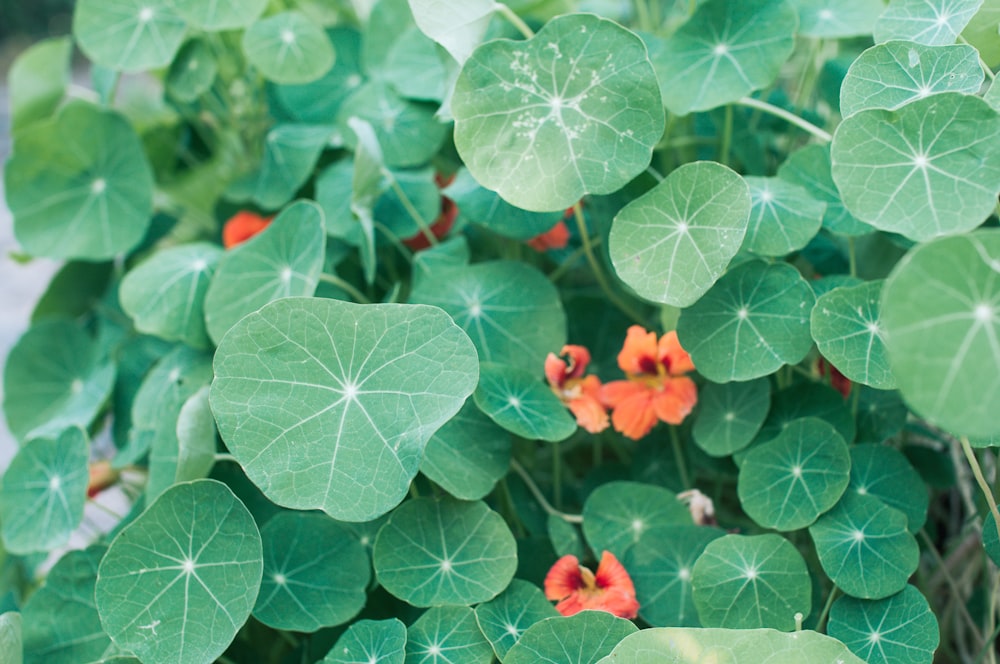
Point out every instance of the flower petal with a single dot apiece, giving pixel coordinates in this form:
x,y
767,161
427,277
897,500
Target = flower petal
x,y
241,227
589,413
555,370
638,354
676,400
563,579
635,416
556,237
674,358
613,393
611,575
579,358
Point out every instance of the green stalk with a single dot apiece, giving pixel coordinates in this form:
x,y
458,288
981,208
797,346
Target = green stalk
x,y
536,492
821,621
675,442
727,136
425,228
977,472
509,14
344,285
557,475
791,118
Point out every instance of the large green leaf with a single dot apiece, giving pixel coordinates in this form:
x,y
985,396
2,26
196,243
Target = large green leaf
x,y
931,22
784,217
11,641
930,168
165,294
315,573
447,635
510,310
285,260
837,18
883,472
845,324
940,309
129,35
616,515
895,73
900,629
504,619
787,482
724,51
186,572
436,552
583,638
43,492
37,81
79,185
457,27
54,378
809,167
220,14
730,415
864,547
532,127
468,455
519,402
745,582
751,322
328,405
288,48
672,243
370,642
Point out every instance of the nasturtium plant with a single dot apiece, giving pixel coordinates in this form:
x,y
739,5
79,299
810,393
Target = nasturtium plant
x,y
397,331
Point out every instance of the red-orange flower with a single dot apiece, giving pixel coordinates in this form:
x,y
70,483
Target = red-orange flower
x,y
656,389
838,381
440,227
556,237
242,226
577,589
580,393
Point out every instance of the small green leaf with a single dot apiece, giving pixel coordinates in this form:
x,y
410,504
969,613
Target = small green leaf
x,y
505,618
939,308
672,243
930,168
165,294
900,629
315,573
288,48
308,392
751,322
415,67
318,102
522,404
290,155
220,14
190,454
436,552
447,635
74,290
370,642
79,185
807,400
11,642
128,35
810,167
660,565
459,27
37,81
744,582
186,571
787,482
883,472
43,492
931,22
535,129
192,72
864,547
616,515
837,18
730,415
485,208
724,51
583,638
784,217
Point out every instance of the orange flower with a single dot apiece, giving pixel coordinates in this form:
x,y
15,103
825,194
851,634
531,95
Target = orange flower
x,y
577,589
241,227
102,475
556,237
580,393
656,388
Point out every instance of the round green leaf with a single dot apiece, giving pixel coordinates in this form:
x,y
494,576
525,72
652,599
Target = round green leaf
x,y
724,51
730,415
510,310
438,552
61,625
192,72
809,167
883,472
315,573
79,185
845,324
37,80
939,307
660,565
786,483
931,22
459,27
328,405
673,242
991,539
864,547
416,67
288,48
895,73
290,155
186,572
900,629
54,378
220,14
370,642
616,515
318,102
930,168
743,582
468,455
504,619
285,260
522,404
783,217
129,35
165,294
807,400
837,18
43,492
447,635
751,322
484,207
532,127
583,638
11,642
190,454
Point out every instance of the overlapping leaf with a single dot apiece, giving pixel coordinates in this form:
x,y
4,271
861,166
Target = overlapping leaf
x,y
931,22
370,642
900,629
809,167
288,48
447,635
459,28
784,217
583,638
220,14
468,455
504,619
129,35
837,18
37,81
730,415
619,514
317,102
190,454
522,404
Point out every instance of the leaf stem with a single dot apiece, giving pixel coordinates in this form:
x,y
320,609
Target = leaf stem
x,y
536,492
642,14
334,280
425,228
104,508
977,472
509,14
557,470
225,457
821,621
952,584
595,266
675,442
726,143
791,118
852,256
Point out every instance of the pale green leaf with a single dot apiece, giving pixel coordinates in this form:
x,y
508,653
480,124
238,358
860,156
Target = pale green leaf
x,y
468,455
129,35
288,48
931,22
317,102
485,208
809,167
220,14
616,515
447,635
370,642
837,18
582,638
192,72
520,403
900,629
290,155
784,217
37,81
11,642
190,454
504,619
459,27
